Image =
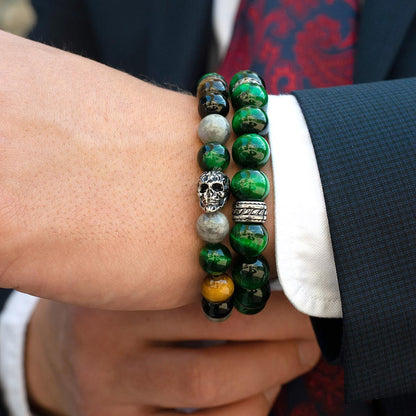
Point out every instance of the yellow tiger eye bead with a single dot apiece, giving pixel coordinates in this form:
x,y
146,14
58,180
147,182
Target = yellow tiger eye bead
x,y
217,288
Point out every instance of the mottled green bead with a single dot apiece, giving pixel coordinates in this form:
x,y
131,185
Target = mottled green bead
x,y
250,120
249,94
249,239
215,258
212,75
250,272
250,185
251,301
245,74
251,151
213,156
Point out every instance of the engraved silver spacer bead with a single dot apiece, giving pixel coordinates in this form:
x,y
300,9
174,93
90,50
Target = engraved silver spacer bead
x,y
250,211
247,80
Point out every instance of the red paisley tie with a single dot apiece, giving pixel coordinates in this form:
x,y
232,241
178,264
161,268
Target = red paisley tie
x,y
298,44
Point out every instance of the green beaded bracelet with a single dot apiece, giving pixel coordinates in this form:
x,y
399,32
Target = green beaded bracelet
x,y
249,290
213,190
250,187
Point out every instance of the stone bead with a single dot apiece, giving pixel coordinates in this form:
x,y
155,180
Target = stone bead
x,y
213,104
249,239
217,288
251,301
250,120
212,85
239,76
250,185
214,128
215,258
251,151
249,93
212,75
217,311
250,272
212,228
213,156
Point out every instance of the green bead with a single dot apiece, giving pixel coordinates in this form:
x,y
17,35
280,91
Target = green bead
x,y
213,156
250,273
250,120
249,94
212,75
251,301
215,258
249,239
245,74
251,151
250,185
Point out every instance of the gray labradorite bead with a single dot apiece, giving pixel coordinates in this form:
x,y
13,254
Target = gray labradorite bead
x,y
212,228
214,128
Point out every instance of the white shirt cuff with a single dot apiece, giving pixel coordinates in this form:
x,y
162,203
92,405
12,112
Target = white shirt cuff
x,y
14,320
304,255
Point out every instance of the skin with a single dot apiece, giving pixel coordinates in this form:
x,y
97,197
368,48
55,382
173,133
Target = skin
x,y
85,362
98,208
98,197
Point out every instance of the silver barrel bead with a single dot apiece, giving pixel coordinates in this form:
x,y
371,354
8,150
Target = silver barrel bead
x,y
250,211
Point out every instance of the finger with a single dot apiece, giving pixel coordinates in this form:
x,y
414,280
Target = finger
x,y
258,405
124,410
184,377
278,320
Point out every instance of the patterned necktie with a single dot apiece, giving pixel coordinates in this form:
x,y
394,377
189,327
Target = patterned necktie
x,y
298,44
294,44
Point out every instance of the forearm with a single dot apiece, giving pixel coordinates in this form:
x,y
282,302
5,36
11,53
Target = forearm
x,y
98,183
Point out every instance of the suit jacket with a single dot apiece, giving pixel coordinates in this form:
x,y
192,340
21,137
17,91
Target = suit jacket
x,y
364,138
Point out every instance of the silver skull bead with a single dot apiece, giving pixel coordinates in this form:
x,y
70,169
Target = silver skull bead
x,y
213,190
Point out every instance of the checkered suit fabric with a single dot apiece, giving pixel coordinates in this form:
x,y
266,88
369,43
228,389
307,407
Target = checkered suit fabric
x,y
404,405
365,143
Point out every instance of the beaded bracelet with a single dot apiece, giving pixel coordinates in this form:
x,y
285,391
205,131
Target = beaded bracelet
x,y
213,190
250,187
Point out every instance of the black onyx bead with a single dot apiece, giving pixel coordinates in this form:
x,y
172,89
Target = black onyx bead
x,y
251,301
213,104
217,311
250,273
212,85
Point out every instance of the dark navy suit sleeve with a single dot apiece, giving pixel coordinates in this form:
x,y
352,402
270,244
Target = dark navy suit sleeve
x,y
364,138
64,24
4,294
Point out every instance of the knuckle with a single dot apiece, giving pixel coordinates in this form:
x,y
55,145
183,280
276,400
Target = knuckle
x,y
308,354
200,383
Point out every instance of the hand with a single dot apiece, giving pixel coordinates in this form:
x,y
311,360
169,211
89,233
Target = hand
x,y
90,362
98,182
